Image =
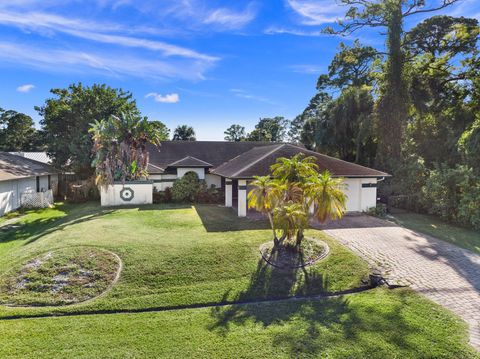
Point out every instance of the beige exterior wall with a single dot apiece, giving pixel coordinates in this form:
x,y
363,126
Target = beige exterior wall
x,y
213,180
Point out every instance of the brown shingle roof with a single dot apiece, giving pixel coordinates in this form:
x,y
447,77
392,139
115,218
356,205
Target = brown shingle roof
x,y
14,167
257,162
212,152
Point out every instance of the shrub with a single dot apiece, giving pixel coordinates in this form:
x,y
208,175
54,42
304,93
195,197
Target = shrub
x,y
379,211
162,196
469,207
186,188
453,194
210,195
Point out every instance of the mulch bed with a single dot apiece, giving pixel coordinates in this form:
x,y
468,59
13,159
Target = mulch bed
x,y
287,256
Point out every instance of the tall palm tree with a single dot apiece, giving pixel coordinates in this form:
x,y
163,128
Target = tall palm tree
x,y
265,196
184,133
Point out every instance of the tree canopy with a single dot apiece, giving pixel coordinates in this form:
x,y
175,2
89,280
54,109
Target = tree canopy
x,y
235,133
120,147
269,130
184,133
410,109
17,132
67,118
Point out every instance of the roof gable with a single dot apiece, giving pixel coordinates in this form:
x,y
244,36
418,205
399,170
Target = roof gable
x,y
257,162
212,152
14,167
190,161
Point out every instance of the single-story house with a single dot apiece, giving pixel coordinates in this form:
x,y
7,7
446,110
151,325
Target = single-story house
x,y
19,175
231,166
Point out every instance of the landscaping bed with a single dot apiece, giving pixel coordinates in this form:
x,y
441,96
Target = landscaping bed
x,y
288,256
60,277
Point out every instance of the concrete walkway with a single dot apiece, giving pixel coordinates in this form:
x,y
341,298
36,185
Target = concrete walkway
x,y
446,274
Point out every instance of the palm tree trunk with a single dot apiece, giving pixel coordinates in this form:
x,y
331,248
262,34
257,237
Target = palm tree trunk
x,y
275,239
299,237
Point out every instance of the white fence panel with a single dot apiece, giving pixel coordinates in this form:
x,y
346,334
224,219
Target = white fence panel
x,y
37,199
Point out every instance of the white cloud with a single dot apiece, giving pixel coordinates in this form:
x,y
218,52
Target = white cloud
x,y
308,69
81,29
466,8
105,63
230,19
168,98
317,12
273,30
245,95
25,88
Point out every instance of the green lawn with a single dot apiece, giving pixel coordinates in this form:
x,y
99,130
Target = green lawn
x,y
462,237
180,256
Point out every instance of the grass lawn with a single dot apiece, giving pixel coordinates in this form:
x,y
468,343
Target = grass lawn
x,y
181,256
462,237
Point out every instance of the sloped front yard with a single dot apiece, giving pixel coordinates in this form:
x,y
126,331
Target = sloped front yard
x,y
177,259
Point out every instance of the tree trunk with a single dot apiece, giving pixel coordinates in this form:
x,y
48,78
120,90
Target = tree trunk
x,y
299,237
275,239
393,104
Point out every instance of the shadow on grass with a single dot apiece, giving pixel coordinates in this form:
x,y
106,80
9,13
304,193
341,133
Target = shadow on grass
x,y
315,324
216,218
49,221
46,221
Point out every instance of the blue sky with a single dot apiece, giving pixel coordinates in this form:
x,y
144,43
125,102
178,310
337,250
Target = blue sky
x,y
208,64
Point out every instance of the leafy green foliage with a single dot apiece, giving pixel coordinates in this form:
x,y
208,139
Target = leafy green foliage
x,y
184,133
351,66
17,132
68,116
186,188
120,147
453,194
269,130
469,145
235,133
291,192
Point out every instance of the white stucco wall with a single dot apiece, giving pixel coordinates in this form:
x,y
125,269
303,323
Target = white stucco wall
x,y
199,171
142,194
213,180
369,194
161,182
360,198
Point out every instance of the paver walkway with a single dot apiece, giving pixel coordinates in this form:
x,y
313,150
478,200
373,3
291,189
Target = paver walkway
x,y
445,273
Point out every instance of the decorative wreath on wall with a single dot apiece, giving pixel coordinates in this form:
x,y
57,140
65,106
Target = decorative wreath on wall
x,y
127,194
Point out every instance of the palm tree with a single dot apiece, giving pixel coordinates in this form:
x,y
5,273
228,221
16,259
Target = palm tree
x,y
291,218
120,146
294,188
296,169
265,196
184,133
327,196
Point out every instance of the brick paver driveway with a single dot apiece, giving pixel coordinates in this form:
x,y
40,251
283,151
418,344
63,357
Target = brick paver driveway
x,y
446,274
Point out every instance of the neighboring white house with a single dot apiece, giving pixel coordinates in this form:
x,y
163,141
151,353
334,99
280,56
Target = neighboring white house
x,y
20,175
232,165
